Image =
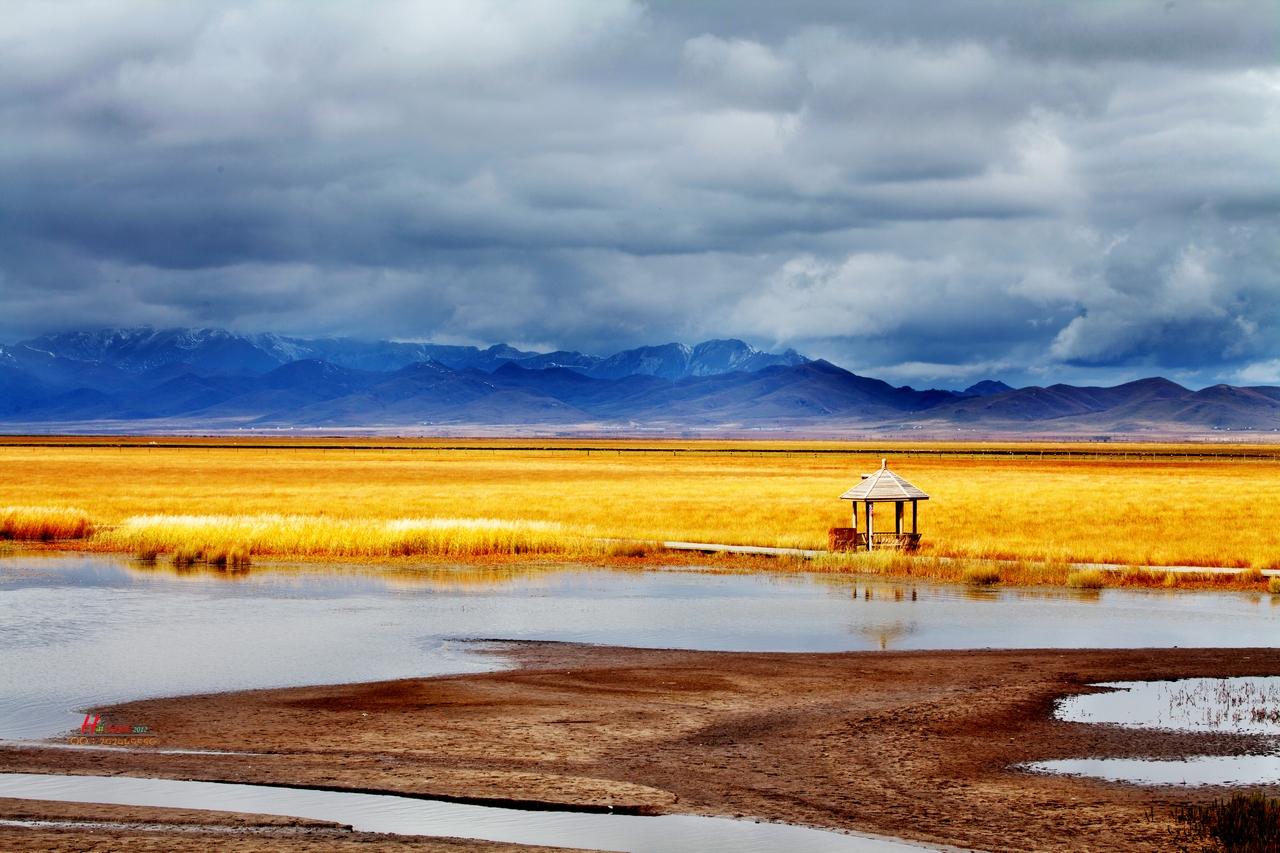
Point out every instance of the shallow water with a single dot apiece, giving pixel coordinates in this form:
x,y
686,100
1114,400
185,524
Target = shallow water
x,y
1201,770
1249,705
81,631
1240,705
406,816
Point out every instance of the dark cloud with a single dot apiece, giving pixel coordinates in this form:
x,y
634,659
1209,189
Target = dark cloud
x,y
932,192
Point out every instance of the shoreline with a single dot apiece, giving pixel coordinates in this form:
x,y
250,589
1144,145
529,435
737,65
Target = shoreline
x,y
921,746
1013,574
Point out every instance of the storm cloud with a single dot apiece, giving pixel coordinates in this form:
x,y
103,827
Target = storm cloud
x,y
929,193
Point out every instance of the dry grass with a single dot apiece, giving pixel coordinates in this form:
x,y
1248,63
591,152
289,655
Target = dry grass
x,y
1246,822
219,539
980,575
43,523
1034,516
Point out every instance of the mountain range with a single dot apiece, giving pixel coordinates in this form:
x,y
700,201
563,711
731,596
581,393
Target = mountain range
x,y
143,349
213,380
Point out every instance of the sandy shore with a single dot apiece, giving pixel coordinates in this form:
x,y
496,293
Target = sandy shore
x,y
920,745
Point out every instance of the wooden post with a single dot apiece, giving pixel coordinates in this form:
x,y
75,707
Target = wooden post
x,y
897,517
871,524
914,516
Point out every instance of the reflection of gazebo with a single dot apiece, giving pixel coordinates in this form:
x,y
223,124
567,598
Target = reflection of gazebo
x,y
881,487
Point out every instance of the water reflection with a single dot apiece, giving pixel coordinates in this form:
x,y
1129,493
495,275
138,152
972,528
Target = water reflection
x,y
886,634
418,578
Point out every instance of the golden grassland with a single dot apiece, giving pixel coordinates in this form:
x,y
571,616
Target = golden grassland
x,y
1137,505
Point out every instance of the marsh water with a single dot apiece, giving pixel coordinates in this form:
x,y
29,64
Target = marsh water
x,y
80,631
1246,705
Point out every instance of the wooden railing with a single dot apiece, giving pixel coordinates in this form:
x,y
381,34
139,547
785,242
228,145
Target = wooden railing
x,y
906,541
850,539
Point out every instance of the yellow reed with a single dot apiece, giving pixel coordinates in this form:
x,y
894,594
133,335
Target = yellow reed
x,y
43,523
196,537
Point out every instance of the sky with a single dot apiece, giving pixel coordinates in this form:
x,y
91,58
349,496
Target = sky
x,y
931,193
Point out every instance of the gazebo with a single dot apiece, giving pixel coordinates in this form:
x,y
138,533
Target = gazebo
x,y
883,486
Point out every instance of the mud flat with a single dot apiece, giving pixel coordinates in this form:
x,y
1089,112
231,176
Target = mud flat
x,y
922,745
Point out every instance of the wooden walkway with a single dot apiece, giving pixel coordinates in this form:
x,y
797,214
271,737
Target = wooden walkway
x,y
712,548
760,550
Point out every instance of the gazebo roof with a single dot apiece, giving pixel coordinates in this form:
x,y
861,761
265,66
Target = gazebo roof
x,y
884,485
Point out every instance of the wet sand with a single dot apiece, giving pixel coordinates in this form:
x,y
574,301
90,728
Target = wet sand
x,y
920,745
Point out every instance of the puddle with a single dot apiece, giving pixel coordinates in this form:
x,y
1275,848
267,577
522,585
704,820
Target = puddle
x,y
1202,770
1235,705
1231,705
407,816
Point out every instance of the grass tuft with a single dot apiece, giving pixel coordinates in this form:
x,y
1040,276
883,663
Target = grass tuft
x,y
1250,575
633,549
1087,579
233,558
43,523
1273,585
1139,576
980,575
1242,823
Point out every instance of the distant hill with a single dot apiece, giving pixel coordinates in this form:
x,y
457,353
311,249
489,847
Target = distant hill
x,y
986,388
128,379
1145,404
